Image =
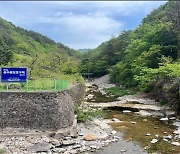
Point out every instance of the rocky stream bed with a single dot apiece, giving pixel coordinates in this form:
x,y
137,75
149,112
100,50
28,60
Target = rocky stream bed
x,y
125,129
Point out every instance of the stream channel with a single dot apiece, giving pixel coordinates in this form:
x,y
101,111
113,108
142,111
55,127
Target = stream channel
x,y
142,131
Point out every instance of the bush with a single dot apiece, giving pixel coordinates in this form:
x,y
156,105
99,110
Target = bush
x,y
163,101
148,76
118,92
84,116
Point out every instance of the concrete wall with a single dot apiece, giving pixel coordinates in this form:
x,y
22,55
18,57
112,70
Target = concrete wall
x,y
40,110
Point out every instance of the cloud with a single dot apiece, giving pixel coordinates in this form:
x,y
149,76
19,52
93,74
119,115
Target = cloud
x,y
88,30
77,24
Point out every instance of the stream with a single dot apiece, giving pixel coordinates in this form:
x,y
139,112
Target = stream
x,y
142,130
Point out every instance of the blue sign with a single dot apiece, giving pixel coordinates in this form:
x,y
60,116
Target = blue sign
x,y
13,74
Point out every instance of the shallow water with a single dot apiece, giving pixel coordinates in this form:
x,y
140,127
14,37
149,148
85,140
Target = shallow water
x,y
122,146
137,132
134,130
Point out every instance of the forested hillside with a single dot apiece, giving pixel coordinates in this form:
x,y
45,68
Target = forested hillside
x,y
141,56
43,57
136,58
147,57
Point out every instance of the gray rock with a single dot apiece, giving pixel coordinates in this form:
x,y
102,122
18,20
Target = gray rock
x,y
172,118
77,146
123,151
73,151
154,141
177,131
117,137
148,134
113,132
156,135
144,113
175,143
164,119
168,137
60,135
60,150
67,138
67,152
170,113
40,147
166,140
133,122
114,140
93,146
126,111
69,142
83,148
116,120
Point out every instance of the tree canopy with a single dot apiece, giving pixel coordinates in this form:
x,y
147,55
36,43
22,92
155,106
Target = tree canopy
x,y
134,55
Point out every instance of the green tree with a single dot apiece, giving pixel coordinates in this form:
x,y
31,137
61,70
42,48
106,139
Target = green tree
x,y
5,53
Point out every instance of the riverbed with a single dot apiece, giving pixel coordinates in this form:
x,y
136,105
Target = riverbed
x,y
153,132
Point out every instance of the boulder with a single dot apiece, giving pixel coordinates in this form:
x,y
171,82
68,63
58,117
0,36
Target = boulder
x,y
144,113
126,111
164,119
175,143
90,137
40,147
154,141
69,142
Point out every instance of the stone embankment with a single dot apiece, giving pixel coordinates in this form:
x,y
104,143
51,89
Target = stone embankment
x,y
36,124
39,110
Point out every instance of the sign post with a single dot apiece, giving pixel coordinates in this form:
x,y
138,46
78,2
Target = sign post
x,y
12,75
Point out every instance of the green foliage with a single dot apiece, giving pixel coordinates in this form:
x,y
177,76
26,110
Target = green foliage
x,y
148,75
122,74
41,55
100,60
84,116
136,57
119,91
5,53
164,101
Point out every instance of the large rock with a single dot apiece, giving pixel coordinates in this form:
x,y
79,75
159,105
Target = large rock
x,y
90,137
144,113
40,147
69,142
175,143
154,141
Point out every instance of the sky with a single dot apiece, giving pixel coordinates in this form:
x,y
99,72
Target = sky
x,y
77,24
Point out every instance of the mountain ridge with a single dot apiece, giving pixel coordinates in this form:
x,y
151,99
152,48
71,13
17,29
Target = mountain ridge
x,y
24,48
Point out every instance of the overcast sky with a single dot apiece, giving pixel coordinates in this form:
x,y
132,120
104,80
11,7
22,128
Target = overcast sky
x,y
77,24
